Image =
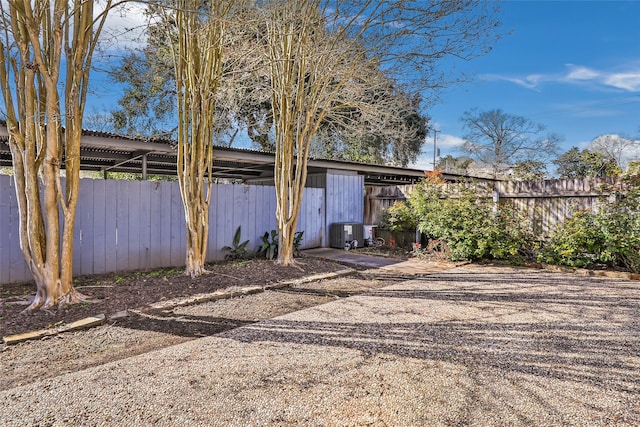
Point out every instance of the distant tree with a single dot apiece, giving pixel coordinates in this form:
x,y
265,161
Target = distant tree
x,y
501,140
633,168
617,148
586,163
396,139
529,170
98,121
148,103
453,164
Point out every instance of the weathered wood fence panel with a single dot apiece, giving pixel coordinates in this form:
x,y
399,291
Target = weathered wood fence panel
x,y
551,202
133,225
12,262
548,203
379,198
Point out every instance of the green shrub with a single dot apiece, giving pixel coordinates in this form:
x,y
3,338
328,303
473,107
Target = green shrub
x,y
576,243
398,217
269,247
469,222
610,236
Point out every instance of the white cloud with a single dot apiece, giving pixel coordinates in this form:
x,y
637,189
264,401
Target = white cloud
x,y
581,73
125,27
627,79
447,144
424,163
530,82
449,141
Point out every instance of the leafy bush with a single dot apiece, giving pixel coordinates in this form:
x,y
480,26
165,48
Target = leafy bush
x,y
576,243
398,217
610,236
237,250
470,224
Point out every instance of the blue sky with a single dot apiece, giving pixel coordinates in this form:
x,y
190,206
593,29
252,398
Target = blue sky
x,y
573,66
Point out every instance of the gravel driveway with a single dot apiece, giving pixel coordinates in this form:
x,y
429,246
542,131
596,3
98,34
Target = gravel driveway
x,y
471,346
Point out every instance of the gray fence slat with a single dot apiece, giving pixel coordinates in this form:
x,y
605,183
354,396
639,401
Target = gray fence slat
x,y
122,226
135,213
177,243
224,218
17,267
85,219
133,217
155,225
110,225
164,220
100,207
145,224
5,236
212,244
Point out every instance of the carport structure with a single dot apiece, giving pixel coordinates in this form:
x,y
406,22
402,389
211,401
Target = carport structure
x,y
108,152
127,225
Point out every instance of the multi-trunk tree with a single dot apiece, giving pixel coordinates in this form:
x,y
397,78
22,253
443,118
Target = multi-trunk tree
x,y
46,50
317,52
197,56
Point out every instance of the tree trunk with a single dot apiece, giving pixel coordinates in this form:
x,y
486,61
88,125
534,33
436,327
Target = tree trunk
x,y
47,248
197,231
36,36
285,243
197,60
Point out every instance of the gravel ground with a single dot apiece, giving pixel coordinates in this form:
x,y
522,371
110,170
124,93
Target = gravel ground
x,y
475,345
52,356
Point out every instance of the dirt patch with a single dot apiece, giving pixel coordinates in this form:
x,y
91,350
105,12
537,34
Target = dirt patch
x,y
114,292
149,330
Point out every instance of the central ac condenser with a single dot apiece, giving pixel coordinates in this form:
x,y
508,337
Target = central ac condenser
x,y
346,234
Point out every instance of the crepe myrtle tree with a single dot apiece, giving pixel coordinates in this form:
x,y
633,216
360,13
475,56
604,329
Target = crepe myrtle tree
x,y
316,49
197,50
46,50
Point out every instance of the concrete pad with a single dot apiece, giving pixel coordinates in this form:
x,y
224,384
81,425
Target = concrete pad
x,y
350,257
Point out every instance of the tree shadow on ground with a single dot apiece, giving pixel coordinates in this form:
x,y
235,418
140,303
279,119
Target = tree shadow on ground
x,y
576,329
181,325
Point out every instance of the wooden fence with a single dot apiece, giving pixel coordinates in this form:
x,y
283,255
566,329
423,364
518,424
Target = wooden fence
x,y
133,225
551,202
378,198
548,203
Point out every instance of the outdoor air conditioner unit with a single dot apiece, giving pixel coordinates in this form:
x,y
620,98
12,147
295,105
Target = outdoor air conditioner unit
x,y
344,235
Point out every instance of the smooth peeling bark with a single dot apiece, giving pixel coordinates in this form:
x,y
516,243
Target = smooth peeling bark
x,y
197,57
37,35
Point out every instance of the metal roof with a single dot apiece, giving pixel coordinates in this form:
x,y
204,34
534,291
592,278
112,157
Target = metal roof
x,y
102,151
